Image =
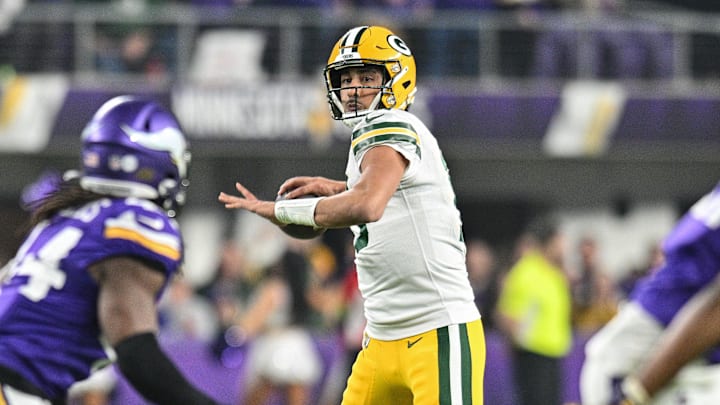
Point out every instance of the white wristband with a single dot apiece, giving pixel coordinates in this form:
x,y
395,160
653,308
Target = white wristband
x,y
635,391
299,211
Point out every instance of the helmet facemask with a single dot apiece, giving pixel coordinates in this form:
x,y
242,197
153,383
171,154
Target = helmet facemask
x,y
385,94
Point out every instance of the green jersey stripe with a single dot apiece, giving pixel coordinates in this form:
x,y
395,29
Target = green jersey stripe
x,y
380,125
362,240
385,138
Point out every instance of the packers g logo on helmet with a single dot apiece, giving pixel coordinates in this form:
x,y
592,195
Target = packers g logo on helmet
x,y
378,46
399,45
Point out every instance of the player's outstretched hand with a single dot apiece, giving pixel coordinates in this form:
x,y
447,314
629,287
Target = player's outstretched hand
x,y
247,201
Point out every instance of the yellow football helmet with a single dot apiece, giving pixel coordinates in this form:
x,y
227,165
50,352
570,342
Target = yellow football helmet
x,y
372,45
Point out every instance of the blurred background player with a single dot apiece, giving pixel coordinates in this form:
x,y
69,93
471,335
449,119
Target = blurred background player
x,y
424,341
82,290
693,331
623,345
282,357
595,297
534,310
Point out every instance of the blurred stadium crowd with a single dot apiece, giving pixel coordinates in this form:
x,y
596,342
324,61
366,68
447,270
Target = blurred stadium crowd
x,y
245,282
150,36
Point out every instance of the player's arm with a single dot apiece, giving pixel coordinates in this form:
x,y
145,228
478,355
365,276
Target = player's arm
x,y
694,330
382,169
511,307
128,318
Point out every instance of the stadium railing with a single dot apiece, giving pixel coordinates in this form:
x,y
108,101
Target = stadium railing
x,y
159,43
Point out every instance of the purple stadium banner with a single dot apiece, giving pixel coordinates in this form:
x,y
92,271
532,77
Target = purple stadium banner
x,y
285,114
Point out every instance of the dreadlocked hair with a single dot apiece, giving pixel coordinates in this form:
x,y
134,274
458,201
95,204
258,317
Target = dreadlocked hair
x,y
69,194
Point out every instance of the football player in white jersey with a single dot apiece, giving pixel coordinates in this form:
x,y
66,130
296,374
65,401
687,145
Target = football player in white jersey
x,y
424,341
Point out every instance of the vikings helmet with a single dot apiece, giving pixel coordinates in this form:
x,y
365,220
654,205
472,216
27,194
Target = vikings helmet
x,y
378,46
134,147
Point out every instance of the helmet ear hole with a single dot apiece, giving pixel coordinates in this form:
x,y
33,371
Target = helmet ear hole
x,y
406,84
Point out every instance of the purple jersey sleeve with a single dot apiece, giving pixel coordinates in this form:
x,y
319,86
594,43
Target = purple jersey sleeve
x,y
49,329
692,260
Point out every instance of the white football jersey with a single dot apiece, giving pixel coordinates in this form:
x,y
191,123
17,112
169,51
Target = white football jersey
x,y
410,263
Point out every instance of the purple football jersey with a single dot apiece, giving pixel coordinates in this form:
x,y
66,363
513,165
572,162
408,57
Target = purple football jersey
x,y
692,261
49,328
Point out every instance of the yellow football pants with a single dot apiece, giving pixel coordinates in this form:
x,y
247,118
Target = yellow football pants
x,y
444,366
